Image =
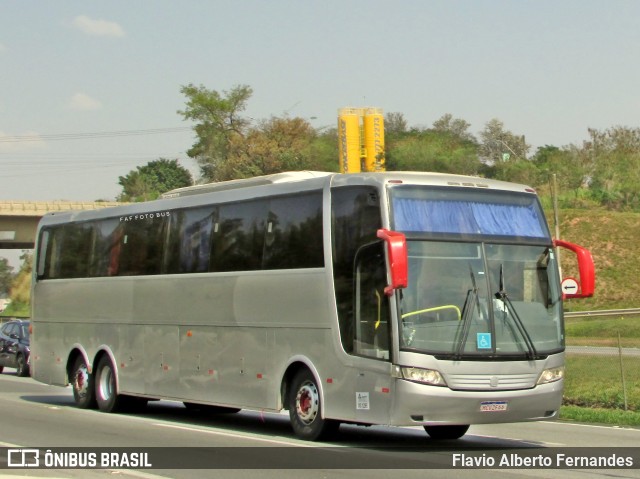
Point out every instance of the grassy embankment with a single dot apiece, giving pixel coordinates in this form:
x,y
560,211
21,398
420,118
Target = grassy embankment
x,y
594,390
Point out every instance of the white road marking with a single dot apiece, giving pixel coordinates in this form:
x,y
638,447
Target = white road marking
x,y
236,436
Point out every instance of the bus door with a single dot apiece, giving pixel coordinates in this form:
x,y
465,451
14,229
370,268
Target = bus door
x,y
372,335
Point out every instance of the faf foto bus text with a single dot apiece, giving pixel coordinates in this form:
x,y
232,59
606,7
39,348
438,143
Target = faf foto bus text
x,y
145,216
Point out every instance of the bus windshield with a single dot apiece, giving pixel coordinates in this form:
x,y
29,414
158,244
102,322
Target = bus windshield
x,y
481,299
483,277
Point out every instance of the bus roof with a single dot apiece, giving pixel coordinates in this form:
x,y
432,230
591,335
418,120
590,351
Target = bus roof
x,y
267,185
337,179
286,177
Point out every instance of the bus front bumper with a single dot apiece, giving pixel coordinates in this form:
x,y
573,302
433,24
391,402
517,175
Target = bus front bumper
x,y
420,404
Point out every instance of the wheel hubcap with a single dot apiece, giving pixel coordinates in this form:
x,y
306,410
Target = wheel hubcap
x,y
307,402
81,383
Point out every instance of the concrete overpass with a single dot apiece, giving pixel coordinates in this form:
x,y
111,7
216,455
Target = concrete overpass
x,y
19,219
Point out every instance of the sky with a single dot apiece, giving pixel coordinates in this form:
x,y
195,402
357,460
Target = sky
x,y
90,90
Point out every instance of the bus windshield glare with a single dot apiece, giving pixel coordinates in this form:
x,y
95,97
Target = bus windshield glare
x,y
479,285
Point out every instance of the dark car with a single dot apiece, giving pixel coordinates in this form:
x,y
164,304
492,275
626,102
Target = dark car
x,y
14,346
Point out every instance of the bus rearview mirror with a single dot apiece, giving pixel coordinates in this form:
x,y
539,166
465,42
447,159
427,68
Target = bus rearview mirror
x,y
585,286
398,259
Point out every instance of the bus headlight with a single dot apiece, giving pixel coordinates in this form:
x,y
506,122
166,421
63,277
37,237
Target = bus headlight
x,y
551,375
425,376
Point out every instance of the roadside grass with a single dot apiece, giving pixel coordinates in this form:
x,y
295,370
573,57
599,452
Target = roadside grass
x,y
595,381
16,309
600,416
603,331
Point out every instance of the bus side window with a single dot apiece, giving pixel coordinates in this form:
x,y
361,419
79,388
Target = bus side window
x,y
189,240
294,232
140,248
67,249
238,236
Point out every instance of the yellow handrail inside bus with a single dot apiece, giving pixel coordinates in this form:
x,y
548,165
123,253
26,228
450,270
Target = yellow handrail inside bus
x,y
379,308
437,308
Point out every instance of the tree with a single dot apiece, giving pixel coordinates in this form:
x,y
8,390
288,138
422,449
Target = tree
x,y
324,150
6,276
218,125
150,181
431,150
505,154
613,158
273,146
566,163
395,124
20,292
500,145
456,127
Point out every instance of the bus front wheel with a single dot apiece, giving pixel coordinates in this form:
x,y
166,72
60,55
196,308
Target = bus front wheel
x,y
305,409
440,433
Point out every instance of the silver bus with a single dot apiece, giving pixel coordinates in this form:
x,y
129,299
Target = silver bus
x,y
406,299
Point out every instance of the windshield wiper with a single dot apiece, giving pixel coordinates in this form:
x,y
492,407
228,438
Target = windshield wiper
x,y
504,297
472,298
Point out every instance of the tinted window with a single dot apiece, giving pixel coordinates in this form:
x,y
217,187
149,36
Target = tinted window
x,y
238,236
106,249
190,240
141,246
294,232
355,222
267,233
68,251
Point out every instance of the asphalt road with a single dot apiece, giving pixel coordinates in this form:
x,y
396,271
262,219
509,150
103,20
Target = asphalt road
x,y
33,415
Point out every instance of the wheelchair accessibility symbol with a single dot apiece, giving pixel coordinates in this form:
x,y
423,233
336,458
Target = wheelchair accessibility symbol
x,y
484,340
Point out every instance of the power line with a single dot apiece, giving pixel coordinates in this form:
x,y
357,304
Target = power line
x,y
91,135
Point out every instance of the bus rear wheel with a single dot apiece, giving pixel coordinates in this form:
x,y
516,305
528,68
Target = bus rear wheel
x,y
82,385
441,433
106,390
305,408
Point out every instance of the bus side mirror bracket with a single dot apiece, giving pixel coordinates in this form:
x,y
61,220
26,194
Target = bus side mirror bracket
x,y
398,259
586,284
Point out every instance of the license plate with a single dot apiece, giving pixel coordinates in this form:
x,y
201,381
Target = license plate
x,y
493,406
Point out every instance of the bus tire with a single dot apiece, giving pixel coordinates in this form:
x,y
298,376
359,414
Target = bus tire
x,y
82,385
443,433
305,406
106,390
